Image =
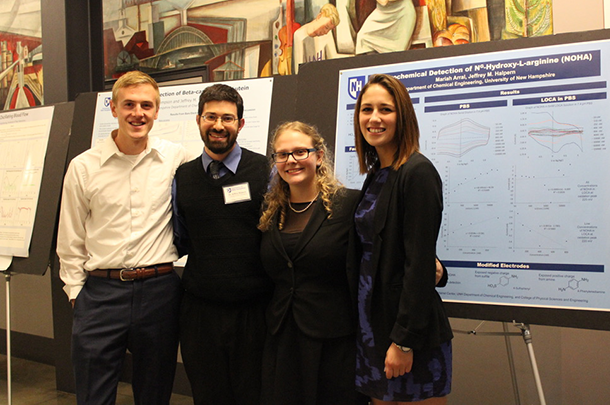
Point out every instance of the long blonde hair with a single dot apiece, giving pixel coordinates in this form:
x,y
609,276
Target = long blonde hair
x,y
278,195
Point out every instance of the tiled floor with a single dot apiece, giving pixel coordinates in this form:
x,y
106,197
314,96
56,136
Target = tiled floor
x,y
34,384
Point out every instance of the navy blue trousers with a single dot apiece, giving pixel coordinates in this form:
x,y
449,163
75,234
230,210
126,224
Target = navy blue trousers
x,y
113,316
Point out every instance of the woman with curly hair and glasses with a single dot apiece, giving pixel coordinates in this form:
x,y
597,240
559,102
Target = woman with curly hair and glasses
x,y
310,349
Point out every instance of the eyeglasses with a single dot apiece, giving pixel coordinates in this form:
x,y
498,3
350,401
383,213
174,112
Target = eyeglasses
x,y
299,154
224,119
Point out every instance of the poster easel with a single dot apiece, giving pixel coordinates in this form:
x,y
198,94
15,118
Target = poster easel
x,y
42,244
527,338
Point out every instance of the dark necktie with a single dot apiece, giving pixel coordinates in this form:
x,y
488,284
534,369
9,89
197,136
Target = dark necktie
x,y
214,169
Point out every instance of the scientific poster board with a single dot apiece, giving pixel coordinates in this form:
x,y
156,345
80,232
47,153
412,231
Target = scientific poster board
x,y
24,136
176,121
41,249
520,140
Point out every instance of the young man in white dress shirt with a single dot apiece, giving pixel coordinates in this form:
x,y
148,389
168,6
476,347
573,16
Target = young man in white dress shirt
x,y
115,245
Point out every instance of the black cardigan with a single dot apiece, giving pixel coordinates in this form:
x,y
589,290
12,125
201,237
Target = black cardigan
x,y
407,309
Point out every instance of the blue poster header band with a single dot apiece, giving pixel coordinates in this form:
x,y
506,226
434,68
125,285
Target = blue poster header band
x,y
591,268
534,69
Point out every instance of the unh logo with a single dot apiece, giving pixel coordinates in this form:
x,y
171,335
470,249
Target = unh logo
x,y
107,102
355,84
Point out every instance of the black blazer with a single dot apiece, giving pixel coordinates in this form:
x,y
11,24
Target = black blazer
x,y
313,284
406,307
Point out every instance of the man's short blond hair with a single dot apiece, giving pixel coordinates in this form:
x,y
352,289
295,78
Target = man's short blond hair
x,y
135,78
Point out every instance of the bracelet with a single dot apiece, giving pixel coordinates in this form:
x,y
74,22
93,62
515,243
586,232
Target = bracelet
x,y
404,349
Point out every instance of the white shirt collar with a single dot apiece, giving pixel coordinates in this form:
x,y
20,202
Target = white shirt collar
x,y
109,148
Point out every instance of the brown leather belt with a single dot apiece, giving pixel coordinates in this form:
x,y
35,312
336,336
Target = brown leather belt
x,y
134,273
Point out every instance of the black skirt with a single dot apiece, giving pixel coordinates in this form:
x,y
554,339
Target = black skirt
x,y
301,370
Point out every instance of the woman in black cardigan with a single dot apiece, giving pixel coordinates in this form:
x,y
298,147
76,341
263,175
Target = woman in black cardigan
x,y
403,334
310,351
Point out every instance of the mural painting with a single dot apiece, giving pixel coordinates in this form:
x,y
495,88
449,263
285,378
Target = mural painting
x,y
236,39
21,83
528,18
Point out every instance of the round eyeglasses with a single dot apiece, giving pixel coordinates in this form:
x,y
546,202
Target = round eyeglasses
x,y
224,119
299,154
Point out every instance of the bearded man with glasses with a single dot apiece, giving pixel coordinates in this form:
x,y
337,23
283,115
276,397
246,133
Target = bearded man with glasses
x,y
217,201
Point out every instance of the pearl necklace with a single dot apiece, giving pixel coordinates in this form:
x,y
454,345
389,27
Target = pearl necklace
x,y
304,209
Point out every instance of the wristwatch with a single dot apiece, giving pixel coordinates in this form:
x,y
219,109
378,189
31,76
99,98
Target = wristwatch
x,y
404,349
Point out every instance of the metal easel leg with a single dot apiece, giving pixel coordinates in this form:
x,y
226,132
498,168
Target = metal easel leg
x,y
9,393
511,363
527,337
509,351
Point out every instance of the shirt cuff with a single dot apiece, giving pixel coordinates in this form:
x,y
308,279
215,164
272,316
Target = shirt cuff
x,y
72,291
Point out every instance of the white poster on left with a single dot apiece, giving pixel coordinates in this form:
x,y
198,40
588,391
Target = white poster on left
x,y
24,135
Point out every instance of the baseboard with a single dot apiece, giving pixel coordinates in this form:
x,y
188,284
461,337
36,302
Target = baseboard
x,y
29,347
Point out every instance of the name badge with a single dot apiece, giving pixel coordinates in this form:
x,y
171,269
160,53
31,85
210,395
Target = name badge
x,y
236,193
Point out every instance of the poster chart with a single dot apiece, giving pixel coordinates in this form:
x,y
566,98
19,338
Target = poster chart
x,y
519,139
24,135
176,121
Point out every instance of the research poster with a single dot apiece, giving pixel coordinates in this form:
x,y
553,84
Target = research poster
x,y
519,139
24,135
176,121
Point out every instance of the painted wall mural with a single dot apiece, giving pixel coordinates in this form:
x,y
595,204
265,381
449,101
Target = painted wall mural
x,y
528,18
235,39
21,83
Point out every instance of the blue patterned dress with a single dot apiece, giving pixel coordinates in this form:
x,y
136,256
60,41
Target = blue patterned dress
x,y
431,372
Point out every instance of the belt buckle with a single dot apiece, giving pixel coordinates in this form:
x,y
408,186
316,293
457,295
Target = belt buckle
x,y
121,274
